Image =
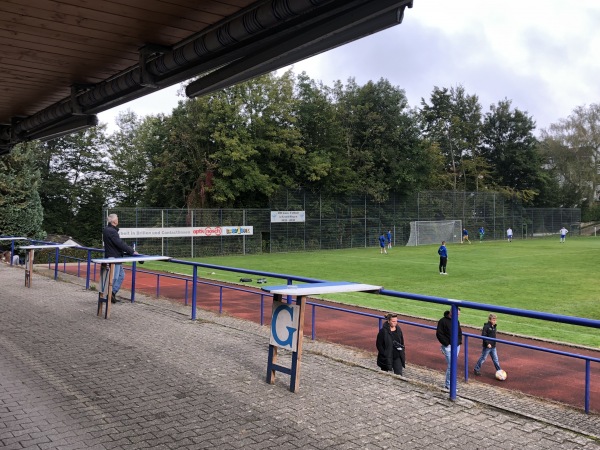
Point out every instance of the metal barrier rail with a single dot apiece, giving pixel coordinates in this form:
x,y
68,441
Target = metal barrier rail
x,y
453,303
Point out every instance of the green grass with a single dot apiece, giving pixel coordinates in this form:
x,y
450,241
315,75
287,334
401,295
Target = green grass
x,y
535,274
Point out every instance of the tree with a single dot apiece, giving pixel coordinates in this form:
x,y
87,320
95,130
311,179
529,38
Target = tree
x,y
232,148
71,167
22,212
129,162
381,139
510,151
453,121
572,149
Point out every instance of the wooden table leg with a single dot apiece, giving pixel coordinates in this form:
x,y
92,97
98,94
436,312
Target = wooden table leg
x,y
105,290
28,267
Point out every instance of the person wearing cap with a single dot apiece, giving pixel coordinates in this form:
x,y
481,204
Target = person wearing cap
x,y
391,356
115,247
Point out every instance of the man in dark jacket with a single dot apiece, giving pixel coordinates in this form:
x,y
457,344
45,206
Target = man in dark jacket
x,y
114,247
444,335
489,346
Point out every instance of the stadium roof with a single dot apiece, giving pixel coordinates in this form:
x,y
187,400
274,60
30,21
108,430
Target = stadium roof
x,y
64,61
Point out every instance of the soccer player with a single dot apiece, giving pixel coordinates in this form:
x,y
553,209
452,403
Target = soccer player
x,y
563,234
382,244
509,234
443,252
389,239
465,236
481,233
489,347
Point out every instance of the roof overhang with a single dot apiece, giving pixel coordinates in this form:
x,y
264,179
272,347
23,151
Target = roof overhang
x,y
65,61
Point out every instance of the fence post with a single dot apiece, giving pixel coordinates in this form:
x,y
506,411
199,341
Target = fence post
x,y
87,272
194,291
453,352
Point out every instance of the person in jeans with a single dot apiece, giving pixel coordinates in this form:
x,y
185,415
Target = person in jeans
x,y
444,335
489,347
115,247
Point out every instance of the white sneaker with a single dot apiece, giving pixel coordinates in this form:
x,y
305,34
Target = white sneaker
x,y
445,273
441,273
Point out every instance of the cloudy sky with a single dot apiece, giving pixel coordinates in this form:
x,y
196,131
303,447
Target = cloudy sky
x,y
544,55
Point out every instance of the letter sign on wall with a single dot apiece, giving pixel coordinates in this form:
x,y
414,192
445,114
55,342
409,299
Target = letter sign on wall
x,y
284,325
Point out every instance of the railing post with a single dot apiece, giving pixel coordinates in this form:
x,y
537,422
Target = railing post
x,y
186,292
262,309
12,251
466,357
289,297
87,274
587,386
157,285
133,272
453,352
56,255
194,291
314,326
220,299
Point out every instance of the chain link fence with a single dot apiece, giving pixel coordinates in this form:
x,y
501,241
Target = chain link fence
x,y
336,222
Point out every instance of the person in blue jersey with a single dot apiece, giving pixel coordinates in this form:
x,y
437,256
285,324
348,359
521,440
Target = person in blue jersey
x,y
465,236
481,233
382,244
443,252
389,239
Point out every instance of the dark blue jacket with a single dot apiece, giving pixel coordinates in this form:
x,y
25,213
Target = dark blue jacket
x,y
114,247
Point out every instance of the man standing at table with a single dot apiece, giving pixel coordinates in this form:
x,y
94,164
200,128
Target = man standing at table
x,y
114,247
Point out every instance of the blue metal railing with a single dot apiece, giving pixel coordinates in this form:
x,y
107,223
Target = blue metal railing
x,y
453,303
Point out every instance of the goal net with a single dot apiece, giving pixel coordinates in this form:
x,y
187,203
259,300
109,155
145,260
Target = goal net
x,y
434,232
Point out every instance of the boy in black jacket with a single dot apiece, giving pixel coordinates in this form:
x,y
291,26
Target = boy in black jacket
x,y
489,347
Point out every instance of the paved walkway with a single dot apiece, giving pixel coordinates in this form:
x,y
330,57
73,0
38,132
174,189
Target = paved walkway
x,y
150,378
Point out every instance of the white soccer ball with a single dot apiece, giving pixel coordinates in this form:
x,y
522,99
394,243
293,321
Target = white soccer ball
x,y
501,375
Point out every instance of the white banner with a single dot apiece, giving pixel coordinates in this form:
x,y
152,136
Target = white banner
x,y
287,216
126,233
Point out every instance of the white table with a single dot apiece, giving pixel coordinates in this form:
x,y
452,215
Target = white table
x,y
301,291
107,270
29,255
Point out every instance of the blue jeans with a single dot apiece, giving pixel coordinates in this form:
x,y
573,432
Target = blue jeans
x,y
484,354
447,352
119,276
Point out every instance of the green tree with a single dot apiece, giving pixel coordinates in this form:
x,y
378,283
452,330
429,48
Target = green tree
x,y
22,212
572,150
452,119
381,139
232,148
509,149
71,167
129,161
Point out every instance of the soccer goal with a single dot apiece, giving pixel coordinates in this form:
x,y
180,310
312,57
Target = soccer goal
x,y
424,232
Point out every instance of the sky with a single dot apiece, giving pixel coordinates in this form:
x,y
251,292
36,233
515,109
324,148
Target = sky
x,y
543,55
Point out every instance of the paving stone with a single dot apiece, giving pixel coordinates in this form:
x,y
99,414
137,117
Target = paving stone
x,y
150,378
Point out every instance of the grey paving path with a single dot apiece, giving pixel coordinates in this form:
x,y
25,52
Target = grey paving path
x,y
150,378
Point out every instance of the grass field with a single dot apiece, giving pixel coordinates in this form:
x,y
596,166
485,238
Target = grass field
x,y
535,274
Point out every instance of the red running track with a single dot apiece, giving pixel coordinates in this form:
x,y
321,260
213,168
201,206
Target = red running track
x,y
532,372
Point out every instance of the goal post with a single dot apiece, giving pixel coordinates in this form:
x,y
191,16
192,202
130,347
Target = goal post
x,y
424,232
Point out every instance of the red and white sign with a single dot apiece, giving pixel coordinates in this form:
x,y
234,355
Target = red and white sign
x,y
126,233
